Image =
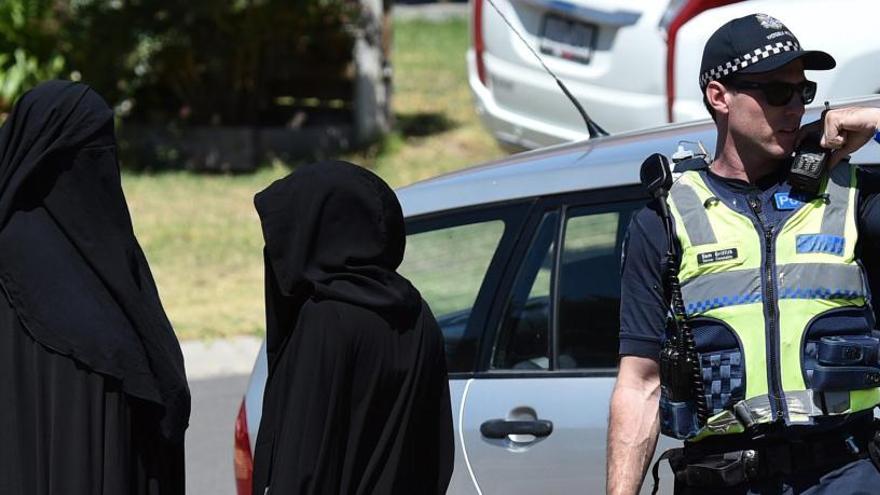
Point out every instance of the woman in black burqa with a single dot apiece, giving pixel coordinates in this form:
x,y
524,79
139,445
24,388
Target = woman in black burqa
x,y
93,391
357,399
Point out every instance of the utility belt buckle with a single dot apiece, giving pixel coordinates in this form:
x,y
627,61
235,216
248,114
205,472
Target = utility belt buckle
x,y
751,464
774,459
743,414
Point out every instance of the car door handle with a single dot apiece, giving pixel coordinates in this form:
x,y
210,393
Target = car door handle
x,y
500,428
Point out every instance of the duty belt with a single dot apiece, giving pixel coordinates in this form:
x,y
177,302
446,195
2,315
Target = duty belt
x,y
734,468
699,467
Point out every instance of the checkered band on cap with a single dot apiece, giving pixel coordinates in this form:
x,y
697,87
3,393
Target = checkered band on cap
x,y
746,60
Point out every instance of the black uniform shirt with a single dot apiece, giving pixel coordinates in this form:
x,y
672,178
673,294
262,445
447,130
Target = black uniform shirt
x,y
642,305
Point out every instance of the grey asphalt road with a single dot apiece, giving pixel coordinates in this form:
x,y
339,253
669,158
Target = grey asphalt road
x,y
215,403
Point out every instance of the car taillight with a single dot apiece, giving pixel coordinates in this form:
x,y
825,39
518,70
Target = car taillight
x,y
477,38
677,13
244,462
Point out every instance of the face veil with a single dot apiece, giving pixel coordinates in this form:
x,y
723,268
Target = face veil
x,y
335,231
69,261
357,386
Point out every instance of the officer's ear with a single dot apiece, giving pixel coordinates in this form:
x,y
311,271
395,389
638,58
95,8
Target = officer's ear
x,y
717,98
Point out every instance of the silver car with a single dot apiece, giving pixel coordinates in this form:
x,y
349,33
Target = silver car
x,y
519,259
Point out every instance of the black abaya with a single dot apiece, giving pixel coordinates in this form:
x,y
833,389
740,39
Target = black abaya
x,y
357,400
92,383
68,430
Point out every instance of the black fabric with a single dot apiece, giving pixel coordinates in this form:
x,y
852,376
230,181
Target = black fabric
x,y
859,477
357,399
69,262
92,375
68,430
334,231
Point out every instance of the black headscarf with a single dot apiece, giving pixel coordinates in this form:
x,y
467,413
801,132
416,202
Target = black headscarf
x,y
333,230
357,399
69,262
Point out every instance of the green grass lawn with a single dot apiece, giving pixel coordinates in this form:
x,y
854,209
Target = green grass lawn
x,y
437,128
202,235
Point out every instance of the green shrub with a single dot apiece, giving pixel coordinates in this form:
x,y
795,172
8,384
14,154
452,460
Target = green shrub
x,y
229,62
29,30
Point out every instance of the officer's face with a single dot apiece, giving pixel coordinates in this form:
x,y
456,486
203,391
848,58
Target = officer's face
x,y
760,129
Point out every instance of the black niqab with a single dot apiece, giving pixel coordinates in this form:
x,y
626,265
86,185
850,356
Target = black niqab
x,y
69,262
357,399
333,230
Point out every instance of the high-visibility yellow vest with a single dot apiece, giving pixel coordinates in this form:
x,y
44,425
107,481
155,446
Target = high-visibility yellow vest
x,y
768,287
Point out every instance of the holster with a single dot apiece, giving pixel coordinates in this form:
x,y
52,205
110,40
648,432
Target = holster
x,y
728,469
874,449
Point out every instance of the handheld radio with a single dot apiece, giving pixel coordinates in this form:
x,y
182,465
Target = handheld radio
x,y
809,162
679,365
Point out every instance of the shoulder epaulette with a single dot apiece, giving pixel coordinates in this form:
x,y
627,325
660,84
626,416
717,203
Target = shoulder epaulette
x,y
696,163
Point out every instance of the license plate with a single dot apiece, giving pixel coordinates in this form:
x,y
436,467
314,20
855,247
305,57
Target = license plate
x,y
568,39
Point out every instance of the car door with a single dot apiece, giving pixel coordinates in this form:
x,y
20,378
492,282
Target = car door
x,y
534,419
456,259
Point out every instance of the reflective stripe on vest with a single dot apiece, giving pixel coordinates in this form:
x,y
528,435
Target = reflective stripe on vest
x,y
693,216
815,271
796,281
821,281
802,404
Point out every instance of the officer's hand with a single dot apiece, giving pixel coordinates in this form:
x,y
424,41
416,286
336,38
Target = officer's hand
x,y
848,129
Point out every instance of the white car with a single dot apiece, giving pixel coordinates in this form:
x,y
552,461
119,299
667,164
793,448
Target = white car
x,y
634,63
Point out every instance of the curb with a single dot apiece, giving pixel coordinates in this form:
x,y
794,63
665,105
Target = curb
x,y
433,12
220,357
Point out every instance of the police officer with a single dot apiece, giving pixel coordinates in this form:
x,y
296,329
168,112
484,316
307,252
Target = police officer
x,y
774,283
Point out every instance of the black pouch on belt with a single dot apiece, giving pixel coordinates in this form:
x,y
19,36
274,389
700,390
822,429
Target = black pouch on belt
x,y
874,449
848,350
847,362
722,470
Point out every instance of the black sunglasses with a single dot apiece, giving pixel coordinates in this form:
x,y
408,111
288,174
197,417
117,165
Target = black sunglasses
x,y
778,93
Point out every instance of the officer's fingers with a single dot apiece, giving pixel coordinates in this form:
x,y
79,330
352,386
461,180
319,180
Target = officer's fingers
x,y
834,135
850,124
852,141
833,140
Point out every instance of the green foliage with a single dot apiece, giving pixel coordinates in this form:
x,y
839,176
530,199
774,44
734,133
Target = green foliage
x,y
28,53
196,62
21,71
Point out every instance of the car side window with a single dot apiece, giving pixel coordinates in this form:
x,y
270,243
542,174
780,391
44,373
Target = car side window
x,y
589,285
523,340
448,265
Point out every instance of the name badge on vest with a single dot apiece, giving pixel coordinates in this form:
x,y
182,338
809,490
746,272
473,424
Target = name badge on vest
x,y
786,202
716,256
